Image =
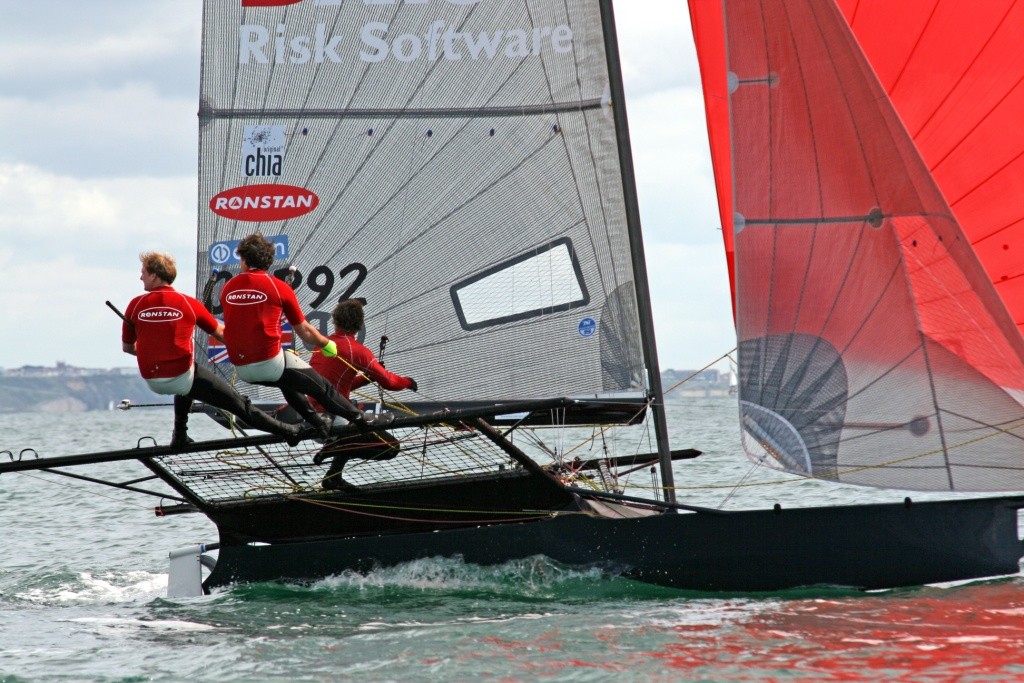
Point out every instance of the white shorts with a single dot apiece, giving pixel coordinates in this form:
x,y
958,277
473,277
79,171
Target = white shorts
x,y
180,385
270,370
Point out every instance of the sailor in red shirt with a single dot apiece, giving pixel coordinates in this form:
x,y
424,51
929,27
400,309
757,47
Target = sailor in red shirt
x,y
253,303
355,366
158,329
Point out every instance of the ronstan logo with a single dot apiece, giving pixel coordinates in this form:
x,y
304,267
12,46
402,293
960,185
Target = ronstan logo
x,y
159,314
262,203
245,297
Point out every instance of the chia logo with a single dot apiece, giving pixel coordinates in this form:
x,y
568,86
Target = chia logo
x,y
263,203
262,150
245,297
159,314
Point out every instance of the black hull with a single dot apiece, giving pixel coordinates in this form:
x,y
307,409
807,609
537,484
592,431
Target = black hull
x,y
393,513
866,546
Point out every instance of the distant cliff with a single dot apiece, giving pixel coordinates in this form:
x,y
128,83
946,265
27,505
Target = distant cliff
x,y
71,393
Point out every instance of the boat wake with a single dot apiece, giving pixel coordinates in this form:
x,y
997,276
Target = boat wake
x,y
132,624
86,588
532,579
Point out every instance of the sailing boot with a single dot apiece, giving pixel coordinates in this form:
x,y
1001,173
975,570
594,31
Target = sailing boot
x,y
321,424
264,422
332,481
180,437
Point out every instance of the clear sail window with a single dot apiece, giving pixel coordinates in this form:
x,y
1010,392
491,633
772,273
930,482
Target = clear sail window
x,y
543,281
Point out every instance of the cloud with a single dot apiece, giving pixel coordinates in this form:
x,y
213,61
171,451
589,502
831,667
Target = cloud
x,y
47,212
675,181
68,44
692,303
131,130
101,89
68,244
656,47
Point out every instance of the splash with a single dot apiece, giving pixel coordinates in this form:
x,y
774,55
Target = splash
x,y
86,588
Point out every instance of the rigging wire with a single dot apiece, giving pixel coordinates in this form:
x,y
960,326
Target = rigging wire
x,y
80,490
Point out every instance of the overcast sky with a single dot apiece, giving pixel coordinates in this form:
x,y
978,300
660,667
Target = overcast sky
x,y
98,99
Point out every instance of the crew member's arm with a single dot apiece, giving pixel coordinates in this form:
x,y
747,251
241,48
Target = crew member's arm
x,y
300,326
368,363
205,320
313,337
128,331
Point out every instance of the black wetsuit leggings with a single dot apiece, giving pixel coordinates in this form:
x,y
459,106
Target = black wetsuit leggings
x,y
211,389
297,383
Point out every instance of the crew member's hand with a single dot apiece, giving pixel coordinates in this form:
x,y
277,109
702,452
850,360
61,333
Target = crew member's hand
x,y
330,350
414,387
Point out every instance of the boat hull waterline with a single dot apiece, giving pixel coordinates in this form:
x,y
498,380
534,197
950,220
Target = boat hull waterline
x,y
863,546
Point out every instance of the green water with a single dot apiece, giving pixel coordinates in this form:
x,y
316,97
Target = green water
x,y
83,578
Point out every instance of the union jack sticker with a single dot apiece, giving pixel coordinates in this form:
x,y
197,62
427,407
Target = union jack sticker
x,y
216,351
287,336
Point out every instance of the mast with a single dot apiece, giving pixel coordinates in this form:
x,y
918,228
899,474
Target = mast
x,y
643,294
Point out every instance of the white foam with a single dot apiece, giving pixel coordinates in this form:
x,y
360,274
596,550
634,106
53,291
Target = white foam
x,y
111,588
122,623
528,575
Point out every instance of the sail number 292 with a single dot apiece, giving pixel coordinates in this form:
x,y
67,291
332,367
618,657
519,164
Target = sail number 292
x,y
322,280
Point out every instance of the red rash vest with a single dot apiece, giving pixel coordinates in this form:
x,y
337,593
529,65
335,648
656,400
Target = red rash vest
x,y
253,302
162,323
341,371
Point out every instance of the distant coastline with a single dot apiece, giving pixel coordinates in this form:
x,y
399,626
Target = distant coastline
x,y
64,388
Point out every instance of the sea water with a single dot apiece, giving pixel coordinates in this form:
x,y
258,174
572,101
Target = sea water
x,y
83,576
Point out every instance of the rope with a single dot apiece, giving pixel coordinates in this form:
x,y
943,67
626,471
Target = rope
x,y
728,354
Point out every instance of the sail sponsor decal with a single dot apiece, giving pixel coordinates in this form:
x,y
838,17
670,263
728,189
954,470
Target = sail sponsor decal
x,y
226,253
159,314
262,203
587,327
375,42
262,151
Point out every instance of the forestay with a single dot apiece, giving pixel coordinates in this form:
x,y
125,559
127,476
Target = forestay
x,y
453,161
873,347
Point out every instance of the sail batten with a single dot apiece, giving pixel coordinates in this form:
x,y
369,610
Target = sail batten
x,y
456,112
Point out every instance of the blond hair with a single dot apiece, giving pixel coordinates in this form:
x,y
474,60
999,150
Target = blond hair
x,y
159,264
